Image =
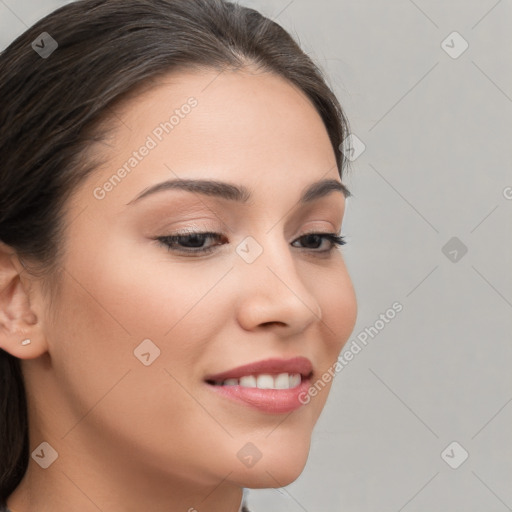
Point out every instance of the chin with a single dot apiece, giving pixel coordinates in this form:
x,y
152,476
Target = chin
x,y
272,477
278,466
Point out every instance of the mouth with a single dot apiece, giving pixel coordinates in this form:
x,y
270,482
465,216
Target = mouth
x,y
272,373
264,381
273,386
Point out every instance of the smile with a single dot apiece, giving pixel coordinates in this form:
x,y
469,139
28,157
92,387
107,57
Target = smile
x,y
263,381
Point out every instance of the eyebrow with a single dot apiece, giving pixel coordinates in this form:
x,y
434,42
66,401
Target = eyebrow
x,y
239,193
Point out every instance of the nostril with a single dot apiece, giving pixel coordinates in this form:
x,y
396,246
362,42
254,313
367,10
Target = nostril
x,y
273,323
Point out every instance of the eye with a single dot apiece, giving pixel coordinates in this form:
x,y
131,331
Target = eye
x,y
191,242
317,238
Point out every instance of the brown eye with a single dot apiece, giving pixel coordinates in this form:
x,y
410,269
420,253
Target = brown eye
x,y
317,238
189,242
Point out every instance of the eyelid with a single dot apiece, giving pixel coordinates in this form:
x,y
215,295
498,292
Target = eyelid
x,y
335,238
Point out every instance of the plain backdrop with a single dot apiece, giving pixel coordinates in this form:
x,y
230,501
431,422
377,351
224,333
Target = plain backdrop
x,y
420,418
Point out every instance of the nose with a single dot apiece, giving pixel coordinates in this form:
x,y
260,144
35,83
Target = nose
x,y
272,292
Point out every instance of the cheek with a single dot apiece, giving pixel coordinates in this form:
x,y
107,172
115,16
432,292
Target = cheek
x,y
126,292
334,292
336,296
142,288
107,307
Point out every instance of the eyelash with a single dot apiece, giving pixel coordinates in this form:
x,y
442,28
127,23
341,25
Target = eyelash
x,y
169,240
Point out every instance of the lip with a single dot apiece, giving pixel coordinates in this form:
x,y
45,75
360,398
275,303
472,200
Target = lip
x,y
273,401
271,366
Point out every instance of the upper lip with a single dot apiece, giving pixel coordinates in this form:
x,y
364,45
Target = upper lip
x,y
297,364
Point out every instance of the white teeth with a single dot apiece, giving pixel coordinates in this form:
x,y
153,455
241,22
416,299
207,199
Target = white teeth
x,y
248,382
266,381
282,381
294,380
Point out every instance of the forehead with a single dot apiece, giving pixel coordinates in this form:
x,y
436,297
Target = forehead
x,y
248,127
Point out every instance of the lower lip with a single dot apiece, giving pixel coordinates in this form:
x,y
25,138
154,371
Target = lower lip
x,y
274,401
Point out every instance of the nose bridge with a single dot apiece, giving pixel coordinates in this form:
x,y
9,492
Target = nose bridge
x,y
270,279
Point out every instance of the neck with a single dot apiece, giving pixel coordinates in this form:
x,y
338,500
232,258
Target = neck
x,y
73,490
80,479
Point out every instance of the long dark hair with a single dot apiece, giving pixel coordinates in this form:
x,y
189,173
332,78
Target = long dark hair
x,y
55,106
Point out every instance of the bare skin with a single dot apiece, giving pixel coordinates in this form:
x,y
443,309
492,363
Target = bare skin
x,y
132,437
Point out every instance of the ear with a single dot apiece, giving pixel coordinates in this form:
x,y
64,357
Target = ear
x,y
18,321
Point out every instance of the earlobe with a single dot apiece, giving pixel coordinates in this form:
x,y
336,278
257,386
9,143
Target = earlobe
x,y
20,330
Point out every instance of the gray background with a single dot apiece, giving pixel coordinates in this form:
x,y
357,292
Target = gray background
x,y
436,166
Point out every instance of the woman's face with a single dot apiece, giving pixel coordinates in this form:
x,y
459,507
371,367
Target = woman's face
x,y
137,327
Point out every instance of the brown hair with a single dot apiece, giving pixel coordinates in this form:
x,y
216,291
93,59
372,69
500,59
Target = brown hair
x,y
55,108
